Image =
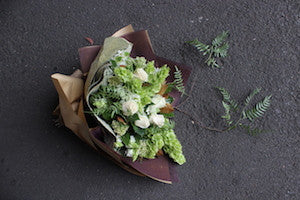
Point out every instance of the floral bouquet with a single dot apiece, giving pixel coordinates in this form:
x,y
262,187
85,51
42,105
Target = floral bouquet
x,y
121,104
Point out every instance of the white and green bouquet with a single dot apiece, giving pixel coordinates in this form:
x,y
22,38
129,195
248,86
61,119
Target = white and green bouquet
x,y
129,97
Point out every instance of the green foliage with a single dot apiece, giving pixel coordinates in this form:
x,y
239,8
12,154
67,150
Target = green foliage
x,y
217,49
227,99
257,111
249,98
252,131
178,82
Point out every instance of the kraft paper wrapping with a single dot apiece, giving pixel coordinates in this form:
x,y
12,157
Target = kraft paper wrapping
x,y
72,92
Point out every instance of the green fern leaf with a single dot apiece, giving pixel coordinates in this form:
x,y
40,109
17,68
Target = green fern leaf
x,y
220,38
178,81
252,131
199,45
225,93
227,98
227,111
259,109
253,93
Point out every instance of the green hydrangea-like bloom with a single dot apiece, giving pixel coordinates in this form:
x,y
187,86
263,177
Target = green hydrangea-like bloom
x,y
124,74
119,128
173,147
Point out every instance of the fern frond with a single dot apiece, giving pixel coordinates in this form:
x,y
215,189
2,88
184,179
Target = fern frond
x,y
225,93
227,98
253,93
199,45
112,92
217,49
178,81
259,109
227,112
221,51
252,131
212,62
220,38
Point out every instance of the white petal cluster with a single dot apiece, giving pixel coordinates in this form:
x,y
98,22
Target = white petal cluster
x,y
142,122
141,74
156,119
159,101
152,109
130,107
129,152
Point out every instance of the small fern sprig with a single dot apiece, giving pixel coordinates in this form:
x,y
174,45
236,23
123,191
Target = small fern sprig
x,y
178,81
252,94
257,111
227,98
217,49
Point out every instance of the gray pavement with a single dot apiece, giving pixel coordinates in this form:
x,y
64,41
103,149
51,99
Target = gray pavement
x,y
40,161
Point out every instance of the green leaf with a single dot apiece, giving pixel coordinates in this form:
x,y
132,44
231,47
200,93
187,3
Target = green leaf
x,y
126,138
138,130
227,111
170,100
168,115
252,131
220,38
259,109
217,49
178,82
199,45
253,93
169,88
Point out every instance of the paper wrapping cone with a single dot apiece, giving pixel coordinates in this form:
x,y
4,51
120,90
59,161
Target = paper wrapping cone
x,y
71,107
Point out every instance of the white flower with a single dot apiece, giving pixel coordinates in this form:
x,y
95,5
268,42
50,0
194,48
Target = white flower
x,y
158,120
129,152
132,139
130,107
118,138
141,74
142,122
152,109
159,101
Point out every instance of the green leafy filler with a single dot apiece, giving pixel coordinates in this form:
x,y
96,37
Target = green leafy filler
x,y
217,49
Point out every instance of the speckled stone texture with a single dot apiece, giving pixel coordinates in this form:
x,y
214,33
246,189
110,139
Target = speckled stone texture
x,y
40,161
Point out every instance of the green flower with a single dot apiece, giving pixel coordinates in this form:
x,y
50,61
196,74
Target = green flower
x,y
124,74
119,127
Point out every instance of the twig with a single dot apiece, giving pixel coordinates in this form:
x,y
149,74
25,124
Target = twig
x,y
199,122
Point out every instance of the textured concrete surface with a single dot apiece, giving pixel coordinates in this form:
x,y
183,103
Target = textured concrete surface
x,y
40,161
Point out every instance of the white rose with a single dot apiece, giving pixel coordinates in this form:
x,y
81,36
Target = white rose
x,y
151,109
159,101
142,122
129,152
132,139
141,74
158,120
130,107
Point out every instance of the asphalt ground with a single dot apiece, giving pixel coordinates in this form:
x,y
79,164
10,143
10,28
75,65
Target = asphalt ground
x,y
41,161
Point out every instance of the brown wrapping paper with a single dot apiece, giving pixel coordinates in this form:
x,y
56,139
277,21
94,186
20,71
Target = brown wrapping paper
x,y
71,107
